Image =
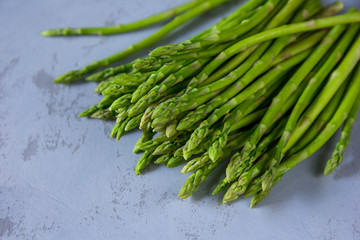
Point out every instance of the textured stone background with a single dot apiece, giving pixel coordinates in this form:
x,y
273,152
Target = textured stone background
x,y
62,177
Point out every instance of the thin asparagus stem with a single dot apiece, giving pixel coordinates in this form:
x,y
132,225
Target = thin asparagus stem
x,y
199,9
122,28
338,153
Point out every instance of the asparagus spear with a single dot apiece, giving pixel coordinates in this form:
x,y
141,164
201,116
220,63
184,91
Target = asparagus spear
x,y
192,184
255,187
122,28
332,9
246,121
133,123
199,9
338,154
104,103
154,101
239,163
171,129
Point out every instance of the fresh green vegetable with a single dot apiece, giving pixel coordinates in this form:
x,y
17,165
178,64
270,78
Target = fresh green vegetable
x,y
260,91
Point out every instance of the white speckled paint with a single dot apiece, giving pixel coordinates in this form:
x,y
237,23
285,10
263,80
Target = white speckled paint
x,y
62,177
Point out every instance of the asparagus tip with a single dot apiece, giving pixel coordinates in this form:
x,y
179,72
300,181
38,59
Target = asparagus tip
x,y
69,77
46,33
329,168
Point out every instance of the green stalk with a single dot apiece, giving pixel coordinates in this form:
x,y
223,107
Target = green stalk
x,y
192,184
283,16
146,118
338,153
217,85
299,46
152,39
122,28
123,101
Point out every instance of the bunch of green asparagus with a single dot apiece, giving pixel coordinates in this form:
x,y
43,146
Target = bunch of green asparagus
x,y
260,91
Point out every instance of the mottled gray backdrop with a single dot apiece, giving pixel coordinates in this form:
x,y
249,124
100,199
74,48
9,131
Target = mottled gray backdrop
x,y
62,177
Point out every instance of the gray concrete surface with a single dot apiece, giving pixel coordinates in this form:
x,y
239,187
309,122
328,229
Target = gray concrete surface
x,y
62,177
